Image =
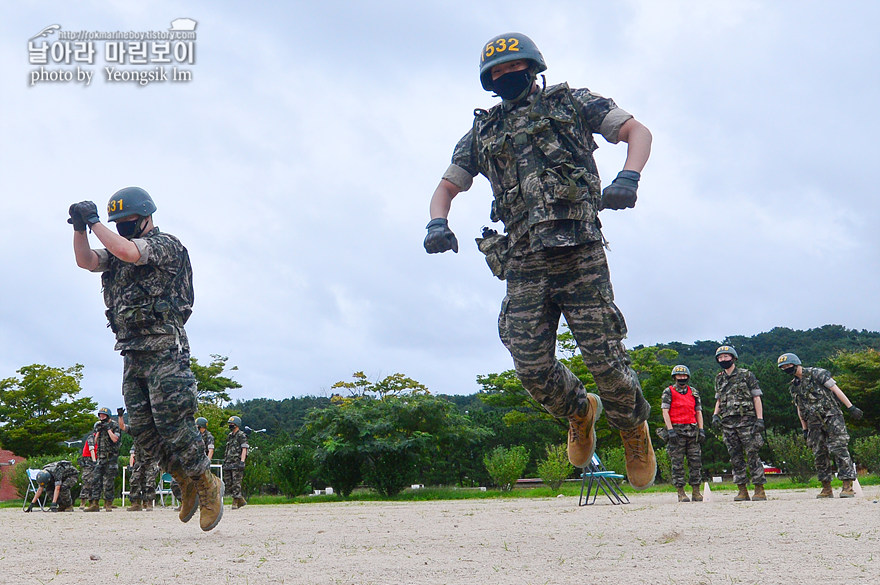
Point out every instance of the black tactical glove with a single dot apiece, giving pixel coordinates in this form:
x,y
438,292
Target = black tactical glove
x,y
759,425
241,465
702,436
79,224
716,421
855,412
30,507
440,238
120,411
671,436
87,210
621,193
53,507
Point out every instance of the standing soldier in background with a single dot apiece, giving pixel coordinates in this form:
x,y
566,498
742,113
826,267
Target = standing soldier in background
x,y
142,486
233,462
147,282
683,415
87,462
815,395
207,437
536,149
740,415
107,434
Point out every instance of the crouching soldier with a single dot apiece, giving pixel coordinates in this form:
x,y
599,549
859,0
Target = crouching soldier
x,y
57,477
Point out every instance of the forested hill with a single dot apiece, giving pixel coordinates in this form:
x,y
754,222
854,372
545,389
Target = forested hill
x,y
813,346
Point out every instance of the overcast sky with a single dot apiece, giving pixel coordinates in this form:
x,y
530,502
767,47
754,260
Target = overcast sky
x,y
298,163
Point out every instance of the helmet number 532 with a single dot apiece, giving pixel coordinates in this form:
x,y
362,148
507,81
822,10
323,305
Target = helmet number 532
x,y
501,46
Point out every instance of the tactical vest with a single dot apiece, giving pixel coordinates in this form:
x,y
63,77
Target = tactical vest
x,y
147,300
682,410
538,159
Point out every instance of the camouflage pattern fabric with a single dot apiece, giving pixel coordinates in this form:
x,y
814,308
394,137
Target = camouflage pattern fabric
x,y
736,392
65,474
208,438
107,448
743,443
537,155
686,445
149,302
160,395
142,486
574,282
104,479
811,395
232,475
88,470
828,439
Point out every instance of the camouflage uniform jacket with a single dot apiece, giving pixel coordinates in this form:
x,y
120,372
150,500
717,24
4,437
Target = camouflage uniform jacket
x,y
61,470
149,301
208,438
106,448
235,442
812,395
538,157
736,392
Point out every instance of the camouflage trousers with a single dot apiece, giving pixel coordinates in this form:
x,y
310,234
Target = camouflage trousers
x,y
743,442
103,480
232,479
573,282
828,439
160,395
65,499
142,486
687,445
88,473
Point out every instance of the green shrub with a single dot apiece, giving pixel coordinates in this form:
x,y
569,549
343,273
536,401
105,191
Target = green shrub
x,y
665,465
867,453
291,469
792,455
505,466
256,477
555,468
340,469
614,459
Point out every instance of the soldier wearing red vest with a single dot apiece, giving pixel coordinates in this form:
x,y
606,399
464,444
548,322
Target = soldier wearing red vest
x,y
683,415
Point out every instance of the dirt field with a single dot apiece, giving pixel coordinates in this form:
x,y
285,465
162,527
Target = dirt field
x,y
793,538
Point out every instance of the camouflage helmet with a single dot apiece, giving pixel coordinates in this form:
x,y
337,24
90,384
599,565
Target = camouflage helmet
x,y
43,477
729,349
679,370
202,422
508,47
105,410
788,359
130,201
234,420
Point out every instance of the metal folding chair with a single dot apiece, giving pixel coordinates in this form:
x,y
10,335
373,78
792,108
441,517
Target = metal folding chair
x,y
596,477
32,490
164,488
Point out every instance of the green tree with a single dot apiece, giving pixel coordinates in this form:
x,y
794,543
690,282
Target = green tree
x,y
858,375
555,468
291,468
506,465
39,410
213,387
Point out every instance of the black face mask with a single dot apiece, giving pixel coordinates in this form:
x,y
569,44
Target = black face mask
x,y
231,427
128,229
681,383
790,371
513,86
724,364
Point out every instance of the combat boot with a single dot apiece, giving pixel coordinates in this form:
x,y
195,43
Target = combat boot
x,y
211,491
148,505
641,464
696,496
135,506
759,495
108,505
826,491
238,503
189,496
682,497
93,506
847,491
743,495
582,433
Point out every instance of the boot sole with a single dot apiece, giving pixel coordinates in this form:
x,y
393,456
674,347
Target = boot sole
x,y
220,515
